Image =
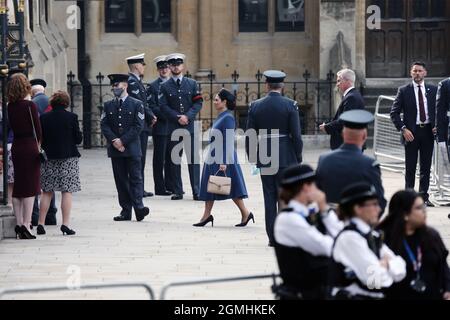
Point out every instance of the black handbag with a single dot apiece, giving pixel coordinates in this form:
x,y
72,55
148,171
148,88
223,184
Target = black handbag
x,y
42,155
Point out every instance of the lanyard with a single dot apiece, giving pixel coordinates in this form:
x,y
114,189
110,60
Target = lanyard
x,y
417,263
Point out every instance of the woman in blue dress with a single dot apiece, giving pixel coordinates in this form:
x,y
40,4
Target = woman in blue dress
x,y
222,159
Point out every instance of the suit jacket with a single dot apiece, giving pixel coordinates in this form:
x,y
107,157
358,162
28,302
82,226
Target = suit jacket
x,y
186,100
442,106
275,112
124,122
153,90
136,89
405,102
344,166
41,101
60,133
353,100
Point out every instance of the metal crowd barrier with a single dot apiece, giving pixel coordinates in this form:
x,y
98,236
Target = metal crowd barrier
x,y
22,290
164,289
390,153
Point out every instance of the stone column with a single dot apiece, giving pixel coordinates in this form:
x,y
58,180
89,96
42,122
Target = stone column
x,y
204,39
7,222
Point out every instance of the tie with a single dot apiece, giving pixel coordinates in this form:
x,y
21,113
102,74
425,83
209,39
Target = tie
x,y
178,82
423,116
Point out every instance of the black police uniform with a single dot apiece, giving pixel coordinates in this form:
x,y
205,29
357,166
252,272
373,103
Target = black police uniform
x,y
182,98
136,89
274,112
347,164
125,120
443,107
160,132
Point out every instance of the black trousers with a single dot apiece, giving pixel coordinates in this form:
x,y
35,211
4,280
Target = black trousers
x,y
161,166
270,184
51,213
192,155
422,145
144,141
128,179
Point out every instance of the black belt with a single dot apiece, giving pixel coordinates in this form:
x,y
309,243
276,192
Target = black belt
x,y
423,125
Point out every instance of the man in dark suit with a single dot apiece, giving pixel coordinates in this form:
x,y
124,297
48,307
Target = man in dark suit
x,y
121,123
41,100
181,100
277,124
160,130
136,89
351,100
346,165
417,102
443,107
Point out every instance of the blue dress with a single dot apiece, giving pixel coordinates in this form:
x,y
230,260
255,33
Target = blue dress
x,y
223,152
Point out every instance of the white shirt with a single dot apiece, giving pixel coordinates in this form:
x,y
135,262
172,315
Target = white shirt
x,y
175,78
348,90
425,101
352,250
292,230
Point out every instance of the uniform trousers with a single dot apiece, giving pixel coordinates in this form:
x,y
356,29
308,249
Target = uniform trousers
x,y
161,165
128,179
422,145
270,184
144,141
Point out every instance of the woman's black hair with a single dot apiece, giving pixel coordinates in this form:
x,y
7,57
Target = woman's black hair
x,y
394,225
224,94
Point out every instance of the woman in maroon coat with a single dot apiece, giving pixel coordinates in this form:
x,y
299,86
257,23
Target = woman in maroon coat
x,y
25,152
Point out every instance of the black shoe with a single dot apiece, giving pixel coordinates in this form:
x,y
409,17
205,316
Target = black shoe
x,y
66,231
141,213
164,193
428,203
177,197
243,224
147,194
205,222
40,229
18,231
196,197
122,218
271,244
26,234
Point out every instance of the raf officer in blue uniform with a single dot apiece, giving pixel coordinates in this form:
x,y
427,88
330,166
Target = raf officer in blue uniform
x,y
121,123
160,130
274,117
136,89
347,165
181,100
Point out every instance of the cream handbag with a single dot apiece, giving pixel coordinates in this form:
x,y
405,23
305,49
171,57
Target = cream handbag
x,y
219,185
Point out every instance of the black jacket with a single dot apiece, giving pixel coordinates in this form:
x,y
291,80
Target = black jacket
x,y
442,106
60,134
353,100
405,102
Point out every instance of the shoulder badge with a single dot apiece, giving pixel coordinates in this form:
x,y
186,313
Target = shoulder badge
x,y
103,115
132,83
296,105
135,91
160,96
141,115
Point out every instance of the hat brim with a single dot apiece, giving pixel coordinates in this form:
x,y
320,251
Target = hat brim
x,y
358,197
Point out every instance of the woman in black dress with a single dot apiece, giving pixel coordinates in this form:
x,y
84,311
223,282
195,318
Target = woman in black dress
x,y
406,233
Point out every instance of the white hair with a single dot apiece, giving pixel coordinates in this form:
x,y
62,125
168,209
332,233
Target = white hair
x,y
37,89
347,74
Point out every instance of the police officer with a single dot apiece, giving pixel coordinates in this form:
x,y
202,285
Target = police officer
x,y
361,264
136,89
160,130
443,107
276,121
39,97
347,164
180,100
121,123
304,234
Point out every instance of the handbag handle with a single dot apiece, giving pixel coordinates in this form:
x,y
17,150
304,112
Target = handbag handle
x,y
34,129
224,173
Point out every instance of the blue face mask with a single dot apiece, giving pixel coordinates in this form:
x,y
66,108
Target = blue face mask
x,y
117,92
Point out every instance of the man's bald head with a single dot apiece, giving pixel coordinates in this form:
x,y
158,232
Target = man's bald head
x,y
354,136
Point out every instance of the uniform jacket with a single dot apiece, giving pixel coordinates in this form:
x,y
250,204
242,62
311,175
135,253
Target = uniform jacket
x,y
124,122
353,100
185,100
276,112
136,89
153,90
442,106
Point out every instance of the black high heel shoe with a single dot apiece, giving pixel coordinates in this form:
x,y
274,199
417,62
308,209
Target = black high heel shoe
x,y
204,222
18,231
40,229
243,224
25,233
66,231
